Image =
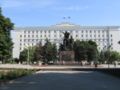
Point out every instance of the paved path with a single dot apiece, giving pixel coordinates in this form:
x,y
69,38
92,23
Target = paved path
x,y
17,66
65,80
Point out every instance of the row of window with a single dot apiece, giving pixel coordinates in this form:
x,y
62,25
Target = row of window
x,y
62,35
55,40
38,36
82,31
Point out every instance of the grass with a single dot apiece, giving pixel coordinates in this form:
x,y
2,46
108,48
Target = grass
x,y
6,75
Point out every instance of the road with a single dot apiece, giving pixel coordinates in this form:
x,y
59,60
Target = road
x,y
65,80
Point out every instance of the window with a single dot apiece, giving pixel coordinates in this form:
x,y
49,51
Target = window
x,y
24,35
32,31
81,35
28,35
20,35
37,40
82,31
28,40
90,31
111,35
76,35
36,31
20,48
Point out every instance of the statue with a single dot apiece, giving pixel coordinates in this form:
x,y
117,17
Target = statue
x,y
67,42
66,49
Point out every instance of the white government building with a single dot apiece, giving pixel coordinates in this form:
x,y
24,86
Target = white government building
x,y
104,36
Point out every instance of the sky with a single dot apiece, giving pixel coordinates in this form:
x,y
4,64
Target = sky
x,y
50,12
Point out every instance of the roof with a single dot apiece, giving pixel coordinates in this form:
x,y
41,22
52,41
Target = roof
x,y
67,26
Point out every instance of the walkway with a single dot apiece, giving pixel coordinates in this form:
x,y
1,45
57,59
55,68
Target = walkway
x,y
65,80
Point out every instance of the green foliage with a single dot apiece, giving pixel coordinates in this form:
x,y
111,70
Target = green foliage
x,y
27,54
85,50
38,53
5,41
12,74
109,56
114,56
23,55
50,53
45,53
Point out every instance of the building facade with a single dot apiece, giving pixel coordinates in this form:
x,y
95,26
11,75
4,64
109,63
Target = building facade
x,y
104,36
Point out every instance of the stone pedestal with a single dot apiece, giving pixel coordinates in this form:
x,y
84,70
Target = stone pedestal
x,y
67,57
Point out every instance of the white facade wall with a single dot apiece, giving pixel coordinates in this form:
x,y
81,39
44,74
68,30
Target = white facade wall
x,y
104,36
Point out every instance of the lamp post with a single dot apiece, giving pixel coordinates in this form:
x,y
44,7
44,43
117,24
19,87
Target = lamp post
x,y
28,57
108,48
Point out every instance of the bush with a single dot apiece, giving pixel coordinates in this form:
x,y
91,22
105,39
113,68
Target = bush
x,y
12,74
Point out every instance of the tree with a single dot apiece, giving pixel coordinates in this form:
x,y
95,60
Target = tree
x,y
92,51
102,57
5,41
23,55
38,53
50,52
80,51
114,56
85,50
27,54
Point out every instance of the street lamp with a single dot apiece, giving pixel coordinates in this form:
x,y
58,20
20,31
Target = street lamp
x,y
108,49
28,58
